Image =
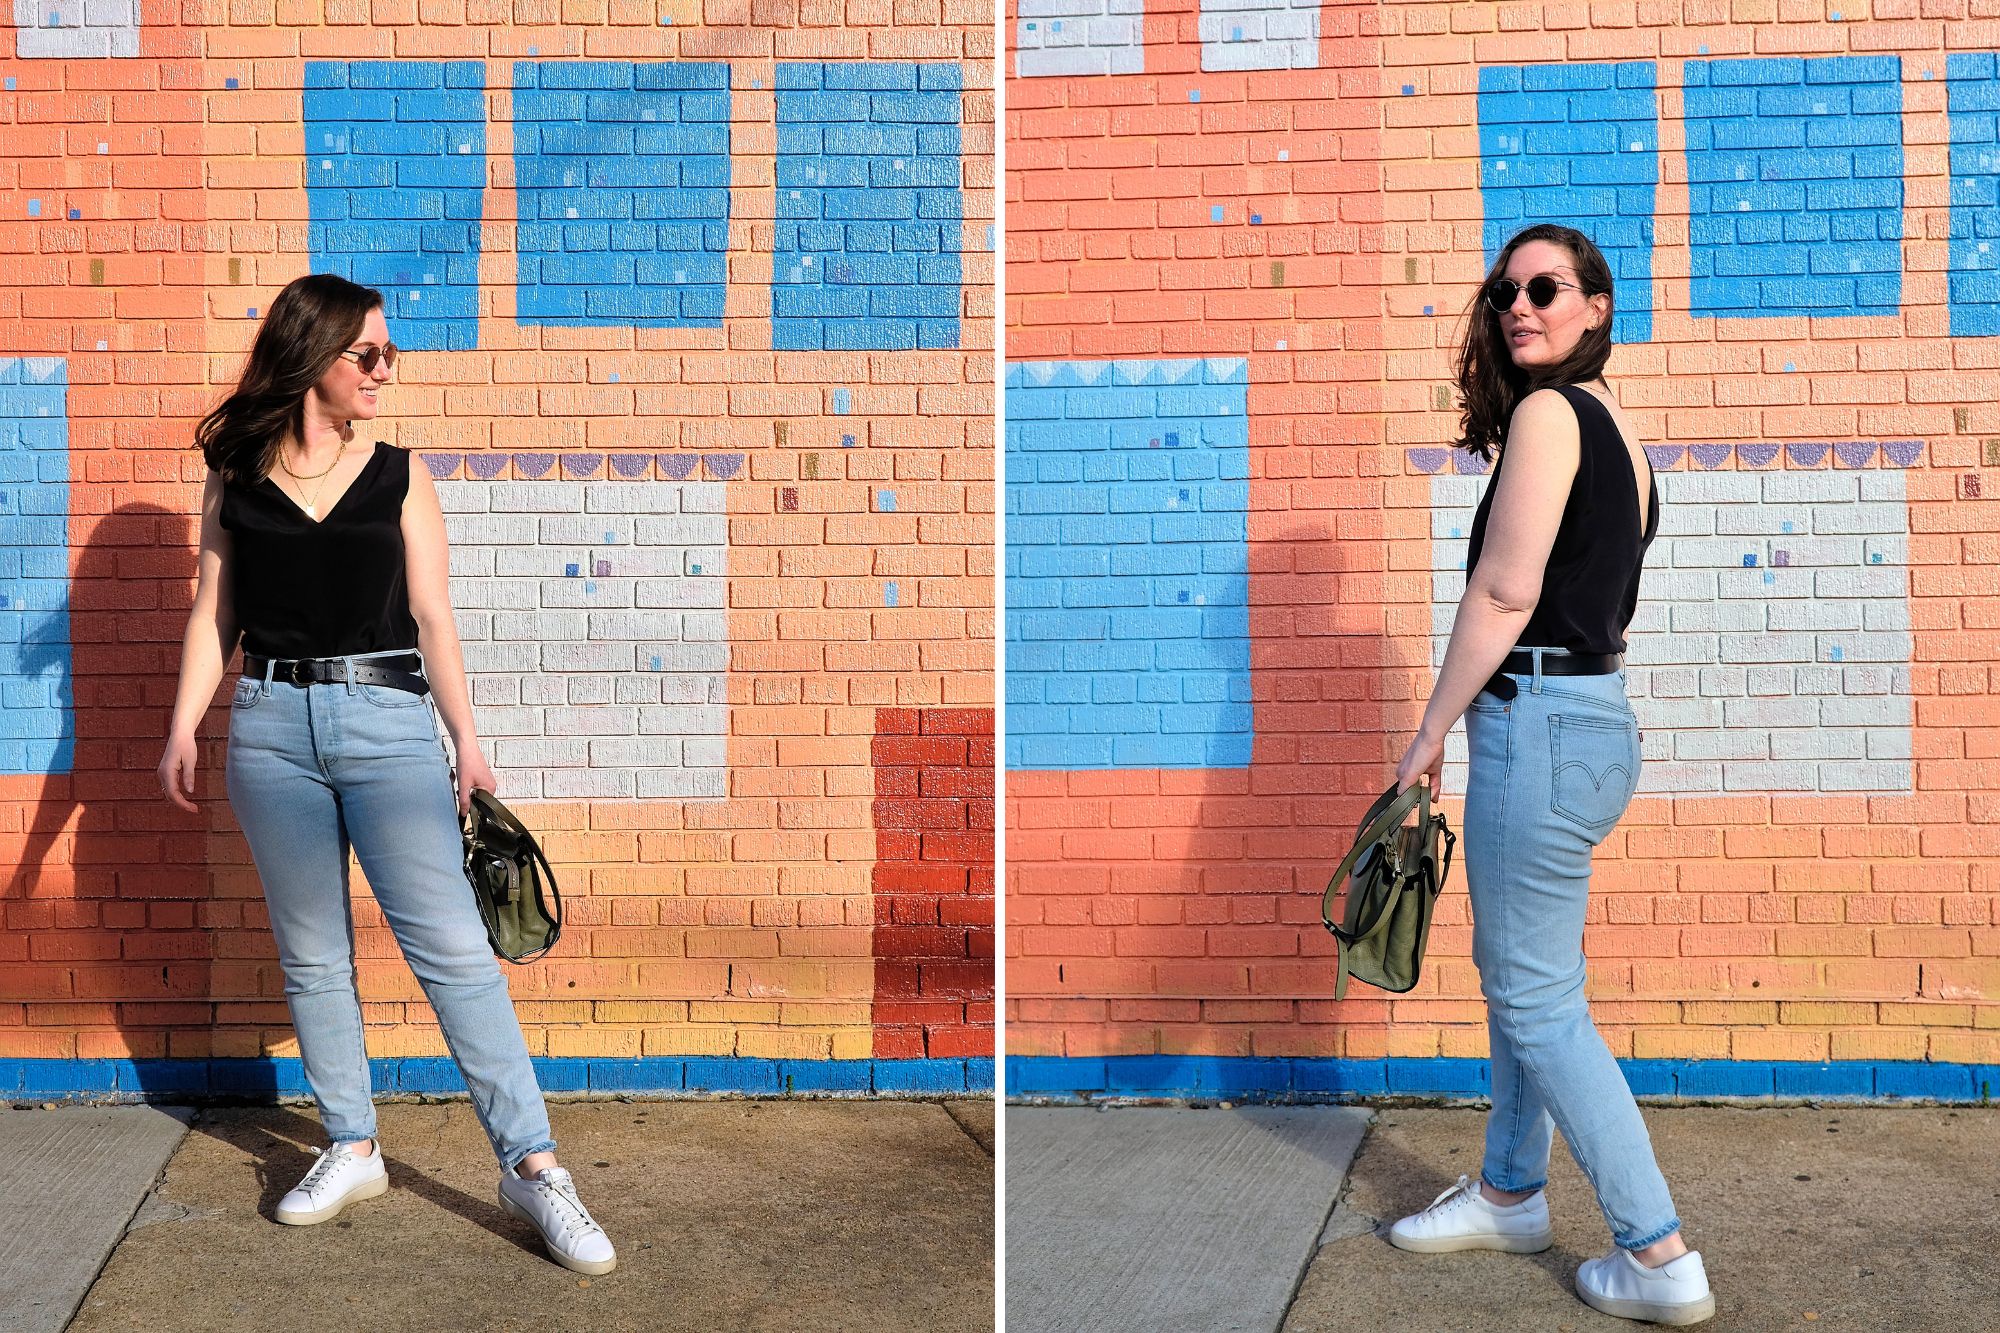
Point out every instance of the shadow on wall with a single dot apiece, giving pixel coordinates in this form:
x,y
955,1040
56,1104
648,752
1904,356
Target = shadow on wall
x,y
1176,913
146,930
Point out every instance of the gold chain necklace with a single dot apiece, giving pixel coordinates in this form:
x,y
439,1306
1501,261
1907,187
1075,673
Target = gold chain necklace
x,y
312,501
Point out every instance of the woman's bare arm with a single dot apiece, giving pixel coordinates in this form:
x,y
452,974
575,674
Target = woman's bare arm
x,y
1543,450
211,628
428,570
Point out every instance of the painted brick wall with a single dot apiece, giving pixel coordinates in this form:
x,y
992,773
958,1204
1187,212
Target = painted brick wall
x,y
1798,199
713,520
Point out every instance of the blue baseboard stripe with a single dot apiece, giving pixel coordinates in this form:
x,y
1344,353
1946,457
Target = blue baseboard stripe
x,y
193,1080
1211,1078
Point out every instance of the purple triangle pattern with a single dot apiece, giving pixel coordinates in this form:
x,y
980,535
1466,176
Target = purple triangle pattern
x,y
1855,453
1665,455
582,465
534,466
678,467
1711,456
1757,455
442,465
1428,461
722,466
485,466
1470,464
1903,453
631,465
1806,455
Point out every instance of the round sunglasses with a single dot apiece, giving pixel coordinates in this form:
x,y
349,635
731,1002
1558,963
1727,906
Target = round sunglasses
x,y
367,357
1542,289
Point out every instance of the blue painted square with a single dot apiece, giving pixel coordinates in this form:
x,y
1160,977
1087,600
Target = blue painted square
x,y
393,201
1795,186
229,83
1972,99
622,174
1215,212
1577,144
1101,546
37,685
870,213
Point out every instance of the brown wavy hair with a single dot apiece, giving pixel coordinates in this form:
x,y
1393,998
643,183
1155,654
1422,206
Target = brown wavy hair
x,y
309,325
1490,385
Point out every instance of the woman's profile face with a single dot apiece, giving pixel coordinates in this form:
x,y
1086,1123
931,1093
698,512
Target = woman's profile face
x,y
348,393
1544,336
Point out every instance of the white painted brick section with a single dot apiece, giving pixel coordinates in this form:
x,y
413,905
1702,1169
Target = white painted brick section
x,y
1259,34
76,29
590,685
1056,38
1788,674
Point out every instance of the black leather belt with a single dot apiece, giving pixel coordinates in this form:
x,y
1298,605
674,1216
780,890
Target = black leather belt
x,y
333,671
1522,662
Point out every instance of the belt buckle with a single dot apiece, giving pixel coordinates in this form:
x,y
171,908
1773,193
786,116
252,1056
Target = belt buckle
x,y
301,672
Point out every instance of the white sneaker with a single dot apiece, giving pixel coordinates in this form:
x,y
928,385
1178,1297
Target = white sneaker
x,y
338,1178
1462,1219
1674,1293
549,1201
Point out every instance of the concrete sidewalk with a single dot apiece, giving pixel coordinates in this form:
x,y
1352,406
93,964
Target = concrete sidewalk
x,y
753,1215
1873,1220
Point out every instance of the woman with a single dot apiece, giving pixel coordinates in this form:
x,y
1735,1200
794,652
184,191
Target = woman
x,y
328,558
1535,664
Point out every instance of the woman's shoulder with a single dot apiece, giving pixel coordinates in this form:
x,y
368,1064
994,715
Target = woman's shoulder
x,y
1547,406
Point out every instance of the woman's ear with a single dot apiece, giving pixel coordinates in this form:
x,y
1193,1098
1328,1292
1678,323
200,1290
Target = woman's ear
x,y
1600,309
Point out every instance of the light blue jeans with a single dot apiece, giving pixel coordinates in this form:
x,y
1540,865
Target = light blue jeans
x,y
1551,773
312,771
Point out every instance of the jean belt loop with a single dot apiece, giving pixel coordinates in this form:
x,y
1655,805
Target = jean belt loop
x,y
347,670
270,667
1537,653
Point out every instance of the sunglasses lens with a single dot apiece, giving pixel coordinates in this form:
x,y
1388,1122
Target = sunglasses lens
x,y
370,356
1501,295
1542,290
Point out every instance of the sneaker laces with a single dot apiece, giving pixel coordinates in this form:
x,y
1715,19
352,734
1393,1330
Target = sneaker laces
x,y
1457,1194
560,1189
329,1162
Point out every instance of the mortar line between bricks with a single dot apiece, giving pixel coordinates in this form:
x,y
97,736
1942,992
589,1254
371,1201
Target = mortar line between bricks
x,y
1319,1229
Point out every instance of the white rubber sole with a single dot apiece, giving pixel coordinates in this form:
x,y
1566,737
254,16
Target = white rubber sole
x,y
1651,1312
1532,1243
373,1189
592,1267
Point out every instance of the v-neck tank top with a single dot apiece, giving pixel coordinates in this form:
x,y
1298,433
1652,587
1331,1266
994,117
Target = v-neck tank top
x,y
321,589
1590,588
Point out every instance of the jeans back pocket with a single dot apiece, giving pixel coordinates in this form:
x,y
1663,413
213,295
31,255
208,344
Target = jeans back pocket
x,y
1593,768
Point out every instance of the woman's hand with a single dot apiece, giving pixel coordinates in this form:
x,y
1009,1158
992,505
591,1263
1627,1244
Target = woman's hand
x,y
177,769
474,772
1424,759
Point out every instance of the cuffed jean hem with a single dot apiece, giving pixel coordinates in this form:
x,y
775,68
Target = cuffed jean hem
x,y
1653,1239
1513,1189
511,1165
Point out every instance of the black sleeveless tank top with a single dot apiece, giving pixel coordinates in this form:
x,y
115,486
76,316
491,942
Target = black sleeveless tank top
x,y
321,589
1591,586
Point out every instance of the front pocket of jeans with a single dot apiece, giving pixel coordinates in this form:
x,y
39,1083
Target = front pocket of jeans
x,y
388,696
248,690
1594,769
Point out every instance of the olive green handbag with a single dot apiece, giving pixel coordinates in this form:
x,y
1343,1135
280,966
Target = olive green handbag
x,y
1393,875
511,881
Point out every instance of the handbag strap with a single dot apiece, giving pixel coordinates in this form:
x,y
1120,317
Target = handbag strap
x,y
488,809
1391,808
